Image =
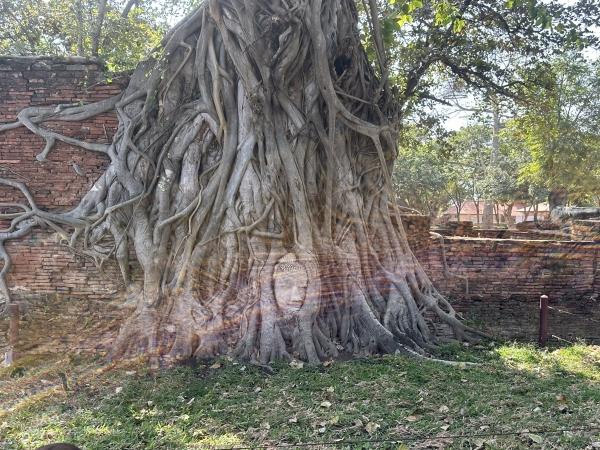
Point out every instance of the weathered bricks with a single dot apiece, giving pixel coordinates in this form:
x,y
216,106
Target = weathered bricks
x,y
41,265
508,276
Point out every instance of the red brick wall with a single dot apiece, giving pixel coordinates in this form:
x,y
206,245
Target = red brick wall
x,y
41,266
417,230
508,276
504,268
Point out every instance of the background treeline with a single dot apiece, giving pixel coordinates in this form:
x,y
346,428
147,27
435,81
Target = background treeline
x,y
545,145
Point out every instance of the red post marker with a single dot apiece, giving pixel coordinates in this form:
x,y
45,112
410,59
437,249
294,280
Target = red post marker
x,y
543,332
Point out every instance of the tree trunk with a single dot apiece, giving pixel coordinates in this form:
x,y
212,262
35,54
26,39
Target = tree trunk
x,y
127,8
526,212
558,196
250,174
97,29
488,206
487,218
508,215
79,26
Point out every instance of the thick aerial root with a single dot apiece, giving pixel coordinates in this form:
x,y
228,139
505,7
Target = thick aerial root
x,y
138,335
257,324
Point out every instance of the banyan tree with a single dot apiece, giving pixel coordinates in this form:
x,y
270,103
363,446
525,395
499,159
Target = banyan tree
x,y
249,177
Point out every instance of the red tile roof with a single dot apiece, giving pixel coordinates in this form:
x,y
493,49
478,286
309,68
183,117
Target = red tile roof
x,y
469,207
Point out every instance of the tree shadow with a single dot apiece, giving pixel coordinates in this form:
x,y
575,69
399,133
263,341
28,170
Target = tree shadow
x,y
224,403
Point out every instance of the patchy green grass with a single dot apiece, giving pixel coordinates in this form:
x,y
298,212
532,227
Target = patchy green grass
x,y
392,401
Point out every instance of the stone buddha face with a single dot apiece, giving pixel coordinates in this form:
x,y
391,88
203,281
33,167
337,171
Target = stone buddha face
x,y
291,280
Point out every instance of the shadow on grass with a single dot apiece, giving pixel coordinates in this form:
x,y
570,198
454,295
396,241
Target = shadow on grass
x,y
229,404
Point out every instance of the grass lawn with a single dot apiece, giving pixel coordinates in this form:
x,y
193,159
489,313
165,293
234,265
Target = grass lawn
x,y
525,396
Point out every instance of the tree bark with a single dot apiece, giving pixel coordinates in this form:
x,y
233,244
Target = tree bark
x,y
97,29
127,8
488,207
250,176
508,214
79,18
558,196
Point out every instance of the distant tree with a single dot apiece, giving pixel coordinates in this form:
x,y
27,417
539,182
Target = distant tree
x,y
118,31
560,127
420,177
434,170
468,159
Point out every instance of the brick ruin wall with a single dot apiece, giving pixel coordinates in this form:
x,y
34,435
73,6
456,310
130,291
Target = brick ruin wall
x,y
506,278
70,294
44,270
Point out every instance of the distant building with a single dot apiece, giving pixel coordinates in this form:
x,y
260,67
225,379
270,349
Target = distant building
x,y
520,212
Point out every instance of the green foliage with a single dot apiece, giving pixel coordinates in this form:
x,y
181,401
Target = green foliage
x,y
432,171
420,177
560,128
65,27
128,40
436,45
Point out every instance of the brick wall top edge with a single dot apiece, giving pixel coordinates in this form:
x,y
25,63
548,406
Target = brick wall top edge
x,y
475,240
13,68
4,59
410,215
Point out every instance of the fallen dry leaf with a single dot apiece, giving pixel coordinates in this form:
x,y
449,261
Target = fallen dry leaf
x,y
479,444
296,364
372,427
535,438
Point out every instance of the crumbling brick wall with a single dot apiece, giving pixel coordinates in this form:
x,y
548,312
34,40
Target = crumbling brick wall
x,y
417,231
41,265
506,278
586,230
43,269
